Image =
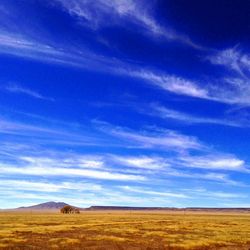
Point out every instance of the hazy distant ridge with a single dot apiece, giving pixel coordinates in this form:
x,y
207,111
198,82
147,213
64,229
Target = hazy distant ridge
x,y
166,208
58,205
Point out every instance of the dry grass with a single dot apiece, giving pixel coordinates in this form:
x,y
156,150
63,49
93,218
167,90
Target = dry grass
x,y
124,230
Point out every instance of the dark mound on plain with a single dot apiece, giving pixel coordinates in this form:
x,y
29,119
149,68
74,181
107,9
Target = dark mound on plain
x,y
45,206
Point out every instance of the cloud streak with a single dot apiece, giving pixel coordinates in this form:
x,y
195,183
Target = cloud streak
x,y
26,46
213,162
17,89
45,134
88,60
121,12
232,59
227,90
166,113
153,193
33,170
200,89
238,74
142,162
48,186
165,139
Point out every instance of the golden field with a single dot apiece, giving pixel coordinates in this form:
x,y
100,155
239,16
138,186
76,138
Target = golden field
x,y
124,230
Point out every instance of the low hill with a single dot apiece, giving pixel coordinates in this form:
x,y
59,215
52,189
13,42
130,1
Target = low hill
x,y
51,205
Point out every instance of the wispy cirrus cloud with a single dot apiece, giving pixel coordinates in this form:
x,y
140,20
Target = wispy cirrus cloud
x,y
24,46
121,12
237,77
172,83
173,169
142,162
214,177
234,93
232,59
18,89
214,162
224,195
186,193
165,139
43,133
166,113
29,45
184,148
81,161
203,192
153,193
49,187
34,170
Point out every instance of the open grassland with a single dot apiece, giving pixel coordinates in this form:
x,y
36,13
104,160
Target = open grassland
x,y
124,230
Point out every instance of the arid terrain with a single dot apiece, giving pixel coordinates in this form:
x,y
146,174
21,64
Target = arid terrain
x,y
124,230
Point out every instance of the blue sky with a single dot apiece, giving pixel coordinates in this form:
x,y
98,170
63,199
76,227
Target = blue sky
x,y
125,102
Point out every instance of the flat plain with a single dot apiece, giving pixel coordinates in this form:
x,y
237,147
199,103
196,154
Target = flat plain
x,y
124,230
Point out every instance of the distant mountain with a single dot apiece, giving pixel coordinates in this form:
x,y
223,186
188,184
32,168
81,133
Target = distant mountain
x,y
45,206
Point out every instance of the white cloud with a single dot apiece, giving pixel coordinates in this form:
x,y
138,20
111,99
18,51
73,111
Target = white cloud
x,y
41,133
213,162
181,86
85,59
12,127
236,88
171,83
224,195
233,91
176,166
186,193
198,193
14,88
228,90
167,113
69,172
232,59
47,186
142,162
27,46
81,161
209,176
120,12
72,165
166,139
24,46
153,193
